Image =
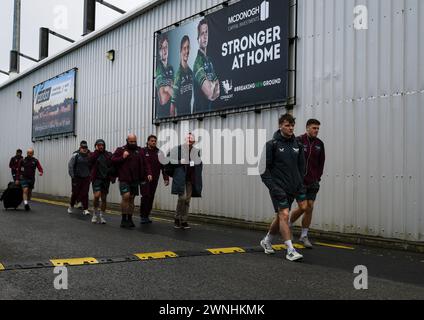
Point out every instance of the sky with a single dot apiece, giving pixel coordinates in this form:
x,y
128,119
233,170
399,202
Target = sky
x,y
62,16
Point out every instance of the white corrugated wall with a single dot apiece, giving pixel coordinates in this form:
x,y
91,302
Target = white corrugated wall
x,y
366,87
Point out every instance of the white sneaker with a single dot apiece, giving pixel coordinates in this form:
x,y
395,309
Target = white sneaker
x,y
86,213
102,219
78,205
267,246
94,219
293,255
306,242
70,210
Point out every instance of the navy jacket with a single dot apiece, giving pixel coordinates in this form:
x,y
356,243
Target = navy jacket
x,y
282,166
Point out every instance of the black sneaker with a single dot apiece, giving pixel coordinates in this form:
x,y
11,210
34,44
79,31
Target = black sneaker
x,y
124,223
27,208
130,222
177,224
185,226
144,220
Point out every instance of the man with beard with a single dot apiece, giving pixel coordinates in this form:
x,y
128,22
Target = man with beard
x,y
153,157
164,80
183,86
13,163
206,83
79,171
101,176
26,175
132,170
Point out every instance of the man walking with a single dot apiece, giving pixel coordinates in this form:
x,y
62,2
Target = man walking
x,y
79,171
152,157
315,159
282,167
187,179
13,163
26,175
101,176
132,170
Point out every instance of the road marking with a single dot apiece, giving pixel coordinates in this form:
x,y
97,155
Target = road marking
x,y
156,255
111,212
333,246
73,261
226,250
1,267
280,247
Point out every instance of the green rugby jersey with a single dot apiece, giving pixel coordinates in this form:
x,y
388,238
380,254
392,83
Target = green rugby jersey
x,y
164,78
183,90
203,70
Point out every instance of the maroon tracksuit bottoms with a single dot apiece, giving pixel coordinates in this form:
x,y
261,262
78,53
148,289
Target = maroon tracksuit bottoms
x,y
80,190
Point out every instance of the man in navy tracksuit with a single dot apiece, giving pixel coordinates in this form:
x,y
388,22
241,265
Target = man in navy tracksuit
x,y
282,166
152,156
315,159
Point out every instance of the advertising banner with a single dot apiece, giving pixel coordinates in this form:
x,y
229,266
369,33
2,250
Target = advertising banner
x,y
235,57
53,106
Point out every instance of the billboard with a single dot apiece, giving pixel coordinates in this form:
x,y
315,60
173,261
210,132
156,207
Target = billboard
x,y
235,57
53,106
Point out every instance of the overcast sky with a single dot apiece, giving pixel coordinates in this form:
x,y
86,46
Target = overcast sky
x,y
63,16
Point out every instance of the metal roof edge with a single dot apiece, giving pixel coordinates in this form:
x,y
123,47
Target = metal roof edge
x,y
87,39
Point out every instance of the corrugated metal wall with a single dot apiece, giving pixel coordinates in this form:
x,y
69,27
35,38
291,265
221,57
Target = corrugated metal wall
x,y
366,87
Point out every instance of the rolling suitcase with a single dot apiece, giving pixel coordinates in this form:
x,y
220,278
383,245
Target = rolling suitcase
x,y
12,197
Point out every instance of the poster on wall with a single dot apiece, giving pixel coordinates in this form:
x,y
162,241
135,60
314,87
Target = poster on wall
x,y
53,106
235,57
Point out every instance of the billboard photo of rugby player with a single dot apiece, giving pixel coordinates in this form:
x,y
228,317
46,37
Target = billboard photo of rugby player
x,y
183,83
206,83
231,58
164,79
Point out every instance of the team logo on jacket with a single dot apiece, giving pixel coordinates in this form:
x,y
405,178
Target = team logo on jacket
x,y
318,148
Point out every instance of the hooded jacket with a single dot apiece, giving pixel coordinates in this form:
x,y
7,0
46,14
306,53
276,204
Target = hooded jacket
x,y
282,166
79,166
95,159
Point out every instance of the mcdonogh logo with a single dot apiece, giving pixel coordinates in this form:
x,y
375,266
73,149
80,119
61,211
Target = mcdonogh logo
x,y
262,10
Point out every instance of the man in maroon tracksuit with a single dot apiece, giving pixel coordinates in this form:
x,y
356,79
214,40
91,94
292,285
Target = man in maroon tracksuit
x,y
315,159
152,156
13,164
132,170
26,175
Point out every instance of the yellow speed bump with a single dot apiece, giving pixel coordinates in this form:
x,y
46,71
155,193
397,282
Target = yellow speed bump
x,y
1,267
73,262
156,255
226,250
280,247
